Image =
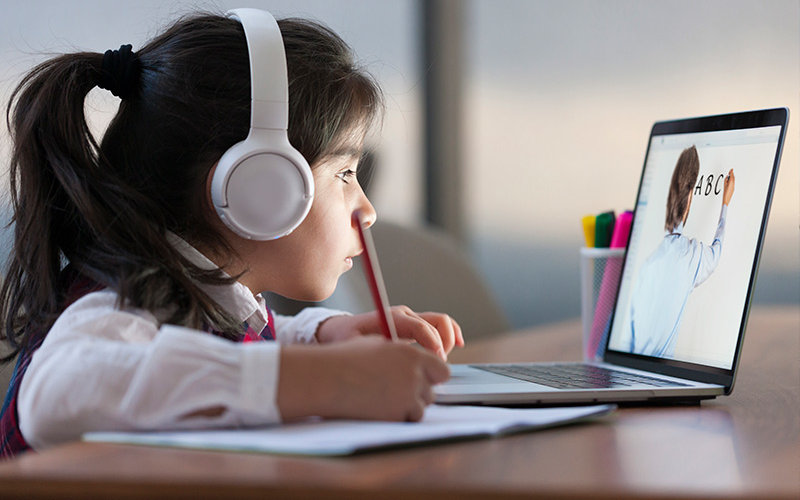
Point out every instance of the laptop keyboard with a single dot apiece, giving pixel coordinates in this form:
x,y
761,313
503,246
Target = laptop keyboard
x,y
576,376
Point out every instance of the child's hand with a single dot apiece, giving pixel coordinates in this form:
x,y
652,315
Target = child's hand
x,y
367,378
435,331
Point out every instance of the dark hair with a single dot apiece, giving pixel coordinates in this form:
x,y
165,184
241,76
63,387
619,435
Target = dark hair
x,y
681,185
106,208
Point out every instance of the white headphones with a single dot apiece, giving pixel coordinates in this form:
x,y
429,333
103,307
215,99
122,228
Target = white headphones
x,y
263,188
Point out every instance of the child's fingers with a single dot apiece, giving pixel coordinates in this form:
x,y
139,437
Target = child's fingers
x,y
449,330
435,331
459,334
427,395
412,326
436,372
432,371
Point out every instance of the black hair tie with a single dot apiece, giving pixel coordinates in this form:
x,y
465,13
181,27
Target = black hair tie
x,y
120,72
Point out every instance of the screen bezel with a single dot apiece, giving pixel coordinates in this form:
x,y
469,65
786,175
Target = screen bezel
x,y
732,121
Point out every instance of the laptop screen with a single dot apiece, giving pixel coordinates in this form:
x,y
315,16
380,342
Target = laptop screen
x,y
694,244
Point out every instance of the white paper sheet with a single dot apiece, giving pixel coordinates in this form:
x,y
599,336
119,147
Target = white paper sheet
x,y
344,437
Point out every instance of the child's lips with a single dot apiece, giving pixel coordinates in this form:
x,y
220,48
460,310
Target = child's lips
x,y
349,260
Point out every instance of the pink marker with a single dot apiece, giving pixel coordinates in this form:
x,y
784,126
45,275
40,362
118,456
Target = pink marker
x,y
622,230
609,286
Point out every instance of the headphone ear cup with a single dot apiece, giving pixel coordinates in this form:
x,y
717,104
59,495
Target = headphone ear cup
x,y
262,193
262,187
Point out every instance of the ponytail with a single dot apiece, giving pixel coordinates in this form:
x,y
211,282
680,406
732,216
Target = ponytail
x,y
73,203
53,156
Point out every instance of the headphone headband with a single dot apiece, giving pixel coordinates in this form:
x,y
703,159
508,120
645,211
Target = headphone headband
x,y
269,92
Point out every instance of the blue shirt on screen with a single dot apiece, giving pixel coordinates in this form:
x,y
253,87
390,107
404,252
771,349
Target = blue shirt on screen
x,y
663,286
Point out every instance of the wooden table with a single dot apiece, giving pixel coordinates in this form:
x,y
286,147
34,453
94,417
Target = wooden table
x,y
746,445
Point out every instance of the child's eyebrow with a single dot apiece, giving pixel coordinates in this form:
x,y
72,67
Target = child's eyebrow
x,y
345,151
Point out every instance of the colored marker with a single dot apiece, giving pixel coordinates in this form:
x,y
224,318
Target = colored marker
x,y
604,227
622,230
609,286
588,223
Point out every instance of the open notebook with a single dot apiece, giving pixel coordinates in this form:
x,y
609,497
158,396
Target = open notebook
x,y
345,437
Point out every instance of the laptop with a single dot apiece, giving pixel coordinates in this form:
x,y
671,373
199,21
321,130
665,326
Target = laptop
x,y
678,322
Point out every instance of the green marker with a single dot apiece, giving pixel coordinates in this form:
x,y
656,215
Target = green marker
x,y
604,228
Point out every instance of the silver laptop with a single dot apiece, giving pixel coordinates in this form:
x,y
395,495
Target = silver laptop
x,y
678,323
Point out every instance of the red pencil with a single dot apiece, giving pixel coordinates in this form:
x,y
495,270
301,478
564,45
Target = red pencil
x,y
375,279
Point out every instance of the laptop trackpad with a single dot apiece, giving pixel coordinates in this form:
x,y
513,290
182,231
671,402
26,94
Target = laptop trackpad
x,y
465,380
465,374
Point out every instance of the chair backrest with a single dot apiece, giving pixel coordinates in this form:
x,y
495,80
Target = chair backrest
x,y
427,270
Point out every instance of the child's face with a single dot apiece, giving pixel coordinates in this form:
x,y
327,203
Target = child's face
x,y
306,264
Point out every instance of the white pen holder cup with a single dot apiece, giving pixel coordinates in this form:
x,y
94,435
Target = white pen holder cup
x,y
600,274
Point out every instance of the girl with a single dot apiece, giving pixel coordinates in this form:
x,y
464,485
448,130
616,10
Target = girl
x,y
127,298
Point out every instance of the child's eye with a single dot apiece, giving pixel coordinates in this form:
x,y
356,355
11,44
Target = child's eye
x,y
346,175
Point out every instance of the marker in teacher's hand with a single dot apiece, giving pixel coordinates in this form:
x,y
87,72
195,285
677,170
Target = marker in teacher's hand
x,y
375,278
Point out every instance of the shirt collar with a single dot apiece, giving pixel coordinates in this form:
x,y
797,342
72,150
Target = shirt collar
x,y
236,299
677,231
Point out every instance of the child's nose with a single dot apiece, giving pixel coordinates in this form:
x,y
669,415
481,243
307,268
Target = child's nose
x,y
368,214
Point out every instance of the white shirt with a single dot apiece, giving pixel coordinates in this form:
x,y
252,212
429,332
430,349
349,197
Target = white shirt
x,y
105,368
666,279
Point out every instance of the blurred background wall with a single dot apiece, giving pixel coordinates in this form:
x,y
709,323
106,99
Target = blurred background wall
x,y
559,101
556,99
